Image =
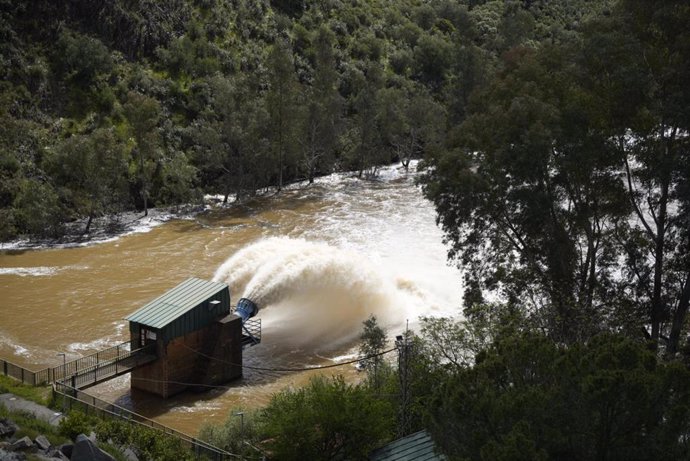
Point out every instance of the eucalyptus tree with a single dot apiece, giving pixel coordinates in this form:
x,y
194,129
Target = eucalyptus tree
x,y
639,72
281,100
372,344
528,200
565,189
90,171
143,114
412,123
231,138
365,138
322,120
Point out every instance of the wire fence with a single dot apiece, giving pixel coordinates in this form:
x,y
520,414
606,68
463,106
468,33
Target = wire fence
x,y
74,398
90,405
33,378
67,369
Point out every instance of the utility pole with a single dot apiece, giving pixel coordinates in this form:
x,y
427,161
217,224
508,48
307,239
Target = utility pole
x,y
404,345
241,415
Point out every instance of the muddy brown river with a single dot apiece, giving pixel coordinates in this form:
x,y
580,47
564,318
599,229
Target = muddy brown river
x,y
318,260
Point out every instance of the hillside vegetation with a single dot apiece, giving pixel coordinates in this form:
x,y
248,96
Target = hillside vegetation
x,y
555,139
118,105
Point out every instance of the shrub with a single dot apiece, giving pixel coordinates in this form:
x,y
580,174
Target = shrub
x,y
76,423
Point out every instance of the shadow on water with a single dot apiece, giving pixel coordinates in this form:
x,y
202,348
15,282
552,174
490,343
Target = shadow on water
x,y
255,385
14,252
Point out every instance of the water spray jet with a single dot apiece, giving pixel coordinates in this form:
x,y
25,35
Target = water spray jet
x,y
313,294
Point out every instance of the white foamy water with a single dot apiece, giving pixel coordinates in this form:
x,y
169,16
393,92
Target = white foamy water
x,y
319,291
29,271
100,343
374,249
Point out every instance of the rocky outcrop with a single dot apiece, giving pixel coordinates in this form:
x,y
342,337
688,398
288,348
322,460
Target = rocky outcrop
x,y
14,448
42,442
7,428
86,450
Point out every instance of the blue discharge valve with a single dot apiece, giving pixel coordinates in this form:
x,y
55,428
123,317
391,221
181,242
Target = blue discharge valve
x,y
246,308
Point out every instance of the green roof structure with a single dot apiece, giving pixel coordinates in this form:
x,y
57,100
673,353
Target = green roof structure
x,y
414,447
189,306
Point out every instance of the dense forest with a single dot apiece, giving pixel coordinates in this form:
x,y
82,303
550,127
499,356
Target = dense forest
x,y
554,139
120,105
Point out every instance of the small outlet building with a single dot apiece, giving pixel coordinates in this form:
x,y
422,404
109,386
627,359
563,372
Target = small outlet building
x,y
196,338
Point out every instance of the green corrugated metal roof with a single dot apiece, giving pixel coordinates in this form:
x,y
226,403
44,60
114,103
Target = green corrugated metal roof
x,y
176,302
414,447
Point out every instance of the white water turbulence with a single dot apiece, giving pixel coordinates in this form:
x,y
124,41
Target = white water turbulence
x,y
315,292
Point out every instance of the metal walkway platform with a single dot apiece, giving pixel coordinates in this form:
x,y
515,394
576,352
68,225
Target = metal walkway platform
x,y
104,365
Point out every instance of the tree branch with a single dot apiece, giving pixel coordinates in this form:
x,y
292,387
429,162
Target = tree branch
x,y
633,201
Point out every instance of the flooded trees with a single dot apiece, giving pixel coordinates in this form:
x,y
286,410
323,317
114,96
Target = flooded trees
x,y
92,171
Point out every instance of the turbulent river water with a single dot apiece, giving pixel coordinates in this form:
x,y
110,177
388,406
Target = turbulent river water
x,y
318,260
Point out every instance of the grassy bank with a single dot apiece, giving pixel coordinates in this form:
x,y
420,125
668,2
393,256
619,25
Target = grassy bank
x,y
40,394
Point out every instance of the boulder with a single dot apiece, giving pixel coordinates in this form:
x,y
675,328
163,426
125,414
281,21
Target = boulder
x,y
11,456
85,450
7,428
22,444
66,450
129,454
91,436
42,442
57,454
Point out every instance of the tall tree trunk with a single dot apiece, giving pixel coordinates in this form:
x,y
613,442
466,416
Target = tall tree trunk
x,y
280,142
659,249
679,317
88,224
144,191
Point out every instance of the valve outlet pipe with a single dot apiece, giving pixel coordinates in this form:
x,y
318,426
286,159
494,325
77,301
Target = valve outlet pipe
x,y
246,308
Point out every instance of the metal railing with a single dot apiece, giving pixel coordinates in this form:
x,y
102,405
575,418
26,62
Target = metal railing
x,y
109,366
251,332
23,375
68,369
74,367
76,399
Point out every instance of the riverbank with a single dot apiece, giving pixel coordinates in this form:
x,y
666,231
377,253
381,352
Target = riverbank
x,y
108,228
